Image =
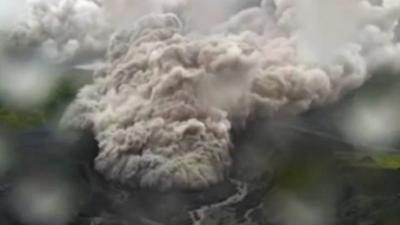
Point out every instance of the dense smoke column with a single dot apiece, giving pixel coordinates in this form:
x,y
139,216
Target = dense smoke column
x,y
163,107
169,137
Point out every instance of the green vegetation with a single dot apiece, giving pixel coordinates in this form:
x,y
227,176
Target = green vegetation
x,y
378,160
14,118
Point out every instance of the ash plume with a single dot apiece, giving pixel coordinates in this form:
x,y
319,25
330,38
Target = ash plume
x,y
163,107
60,31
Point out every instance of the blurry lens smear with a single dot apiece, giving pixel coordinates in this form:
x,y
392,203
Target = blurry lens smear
x,y
11,12
26,85
291,210
373,122
39,201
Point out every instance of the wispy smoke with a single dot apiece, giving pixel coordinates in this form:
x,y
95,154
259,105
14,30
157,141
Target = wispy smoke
x,y
163,107
11,12
60,31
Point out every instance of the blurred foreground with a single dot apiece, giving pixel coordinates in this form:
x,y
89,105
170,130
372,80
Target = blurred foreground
x,y
308,170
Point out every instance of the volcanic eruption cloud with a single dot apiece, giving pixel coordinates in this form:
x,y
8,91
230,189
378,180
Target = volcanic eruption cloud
x,y
180,75
59,31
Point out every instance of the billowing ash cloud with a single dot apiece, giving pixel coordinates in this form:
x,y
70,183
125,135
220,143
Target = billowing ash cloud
x,y
61,30
67,31
163,107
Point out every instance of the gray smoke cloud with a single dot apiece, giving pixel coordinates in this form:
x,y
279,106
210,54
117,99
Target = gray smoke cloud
x,y
67,31
163,107
60,30
11,12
